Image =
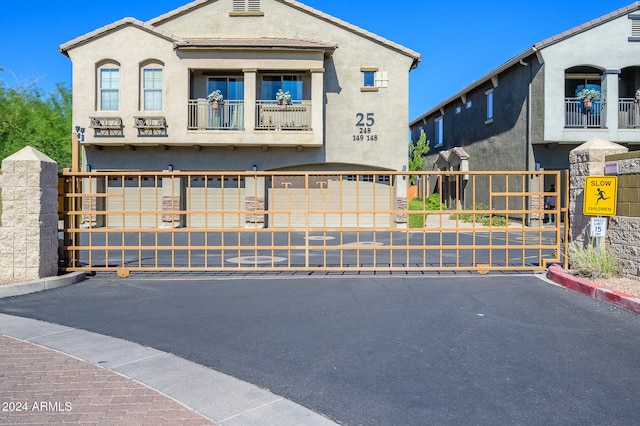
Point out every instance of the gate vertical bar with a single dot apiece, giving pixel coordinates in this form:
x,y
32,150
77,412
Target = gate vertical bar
x,y
306,221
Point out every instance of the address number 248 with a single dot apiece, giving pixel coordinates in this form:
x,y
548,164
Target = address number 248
x,y
364,124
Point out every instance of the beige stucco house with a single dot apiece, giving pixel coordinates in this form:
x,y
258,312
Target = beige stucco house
x,y
140,91
237,86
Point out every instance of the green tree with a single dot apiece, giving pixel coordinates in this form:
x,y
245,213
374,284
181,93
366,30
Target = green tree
x,y
28,116
417,150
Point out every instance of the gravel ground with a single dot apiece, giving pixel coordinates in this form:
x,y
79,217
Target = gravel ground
x,y
624,284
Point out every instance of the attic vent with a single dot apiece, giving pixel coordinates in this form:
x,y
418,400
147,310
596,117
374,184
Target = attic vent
x,y
246,5
635,27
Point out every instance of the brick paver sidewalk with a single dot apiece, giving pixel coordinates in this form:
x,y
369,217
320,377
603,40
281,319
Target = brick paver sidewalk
x,y
42,386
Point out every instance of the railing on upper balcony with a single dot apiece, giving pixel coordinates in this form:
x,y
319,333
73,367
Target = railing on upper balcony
x,y
577,115
270,115
628,113
229,115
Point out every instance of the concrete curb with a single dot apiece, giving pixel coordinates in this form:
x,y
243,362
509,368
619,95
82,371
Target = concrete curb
x,y
10,290
591,289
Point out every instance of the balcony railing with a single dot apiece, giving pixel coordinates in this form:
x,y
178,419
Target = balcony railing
x,y
229,115
577,115
628,113
270,115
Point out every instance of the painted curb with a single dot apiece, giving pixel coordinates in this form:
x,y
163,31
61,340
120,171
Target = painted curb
x,y
593,290
42,284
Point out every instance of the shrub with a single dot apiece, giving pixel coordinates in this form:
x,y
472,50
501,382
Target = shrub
x,y
593,262
432,202
482,218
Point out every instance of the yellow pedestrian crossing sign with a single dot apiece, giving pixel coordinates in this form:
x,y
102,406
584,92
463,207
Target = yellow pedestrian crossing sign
x,y
600,195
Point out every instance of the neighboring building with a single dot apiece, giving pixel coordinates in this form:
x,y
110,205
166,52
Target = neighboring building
x,y
525,115
140,89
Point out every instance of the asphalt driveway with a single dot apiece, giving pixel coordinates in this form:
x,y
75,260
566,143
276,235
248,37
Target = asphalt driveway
x,y
381,350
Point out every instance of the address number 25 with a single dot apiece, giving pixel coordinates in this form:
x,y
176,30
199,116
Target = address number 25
x,y
363,120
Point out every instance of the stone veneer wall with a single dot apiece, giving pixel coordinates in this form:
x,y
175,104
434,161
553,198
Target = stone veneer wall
x,y
29,232
586,160
623,236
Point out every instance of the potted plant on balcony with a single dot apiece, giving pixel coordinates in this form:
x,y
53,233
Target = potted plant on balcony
x,y
283,98
638,96
215,98
587,96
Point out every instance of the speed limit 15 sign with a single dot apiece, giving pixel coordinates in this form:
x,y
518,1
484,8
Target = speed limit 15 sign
x,y
598,227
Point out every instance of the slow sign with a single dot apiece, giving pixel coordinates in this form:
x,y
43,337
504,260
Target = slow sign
x,y
600,195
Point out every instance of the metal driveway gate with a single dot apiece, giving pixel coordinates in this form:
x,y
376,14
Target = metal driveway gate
x,y
310,221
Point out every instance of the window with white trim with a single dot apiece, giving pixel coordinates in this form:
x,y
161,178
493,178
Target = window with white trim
x,y
373,79
246,5
439,134
489,95
109,87
152,84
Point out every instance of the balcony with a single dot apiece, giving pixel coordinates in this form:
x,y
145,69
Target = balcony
x,y
577,115
228,115
628,113
270,115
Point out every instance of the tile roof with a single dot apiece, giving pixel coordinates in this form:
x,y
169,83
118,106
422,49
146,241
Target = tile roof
x,y
255,43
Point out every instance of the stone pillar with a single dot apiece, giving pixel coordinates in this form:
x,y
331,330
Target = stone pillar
x,y
586,160
29,233
171,201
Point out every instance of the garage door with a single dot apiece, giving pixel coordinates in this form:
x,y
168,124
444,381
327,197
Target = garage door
x,y
215,202
352,201
134,202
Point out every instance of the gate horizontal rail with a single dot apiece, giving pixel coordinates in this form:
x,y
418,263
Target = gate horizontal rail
x,y
310,221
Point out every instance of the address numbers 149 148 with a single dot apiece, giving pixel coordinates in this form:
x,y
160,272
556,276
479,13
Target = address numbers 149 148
x,y
364,127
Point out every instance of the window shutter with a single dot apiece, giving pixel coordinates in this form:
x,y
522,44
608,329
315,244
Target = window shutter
x,y
382,79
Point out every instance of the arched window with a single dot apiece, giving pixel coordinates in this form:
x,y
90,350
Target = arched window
x,y
152,86
109,86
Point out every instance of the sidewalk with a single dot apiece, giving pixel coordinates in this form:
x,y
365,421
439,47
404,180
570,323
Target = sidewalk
x,y
42,386
54,374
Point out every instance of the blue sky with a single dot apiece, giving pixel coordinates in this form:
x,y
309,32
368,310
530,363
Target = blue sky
x,y
459,41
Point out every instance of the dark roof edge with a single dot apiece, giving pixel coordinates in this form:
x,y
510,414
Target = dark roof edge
x,y
487,77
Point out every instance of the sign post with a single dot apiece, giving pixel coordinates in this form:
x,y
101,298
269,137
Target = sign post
x,y
600,199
